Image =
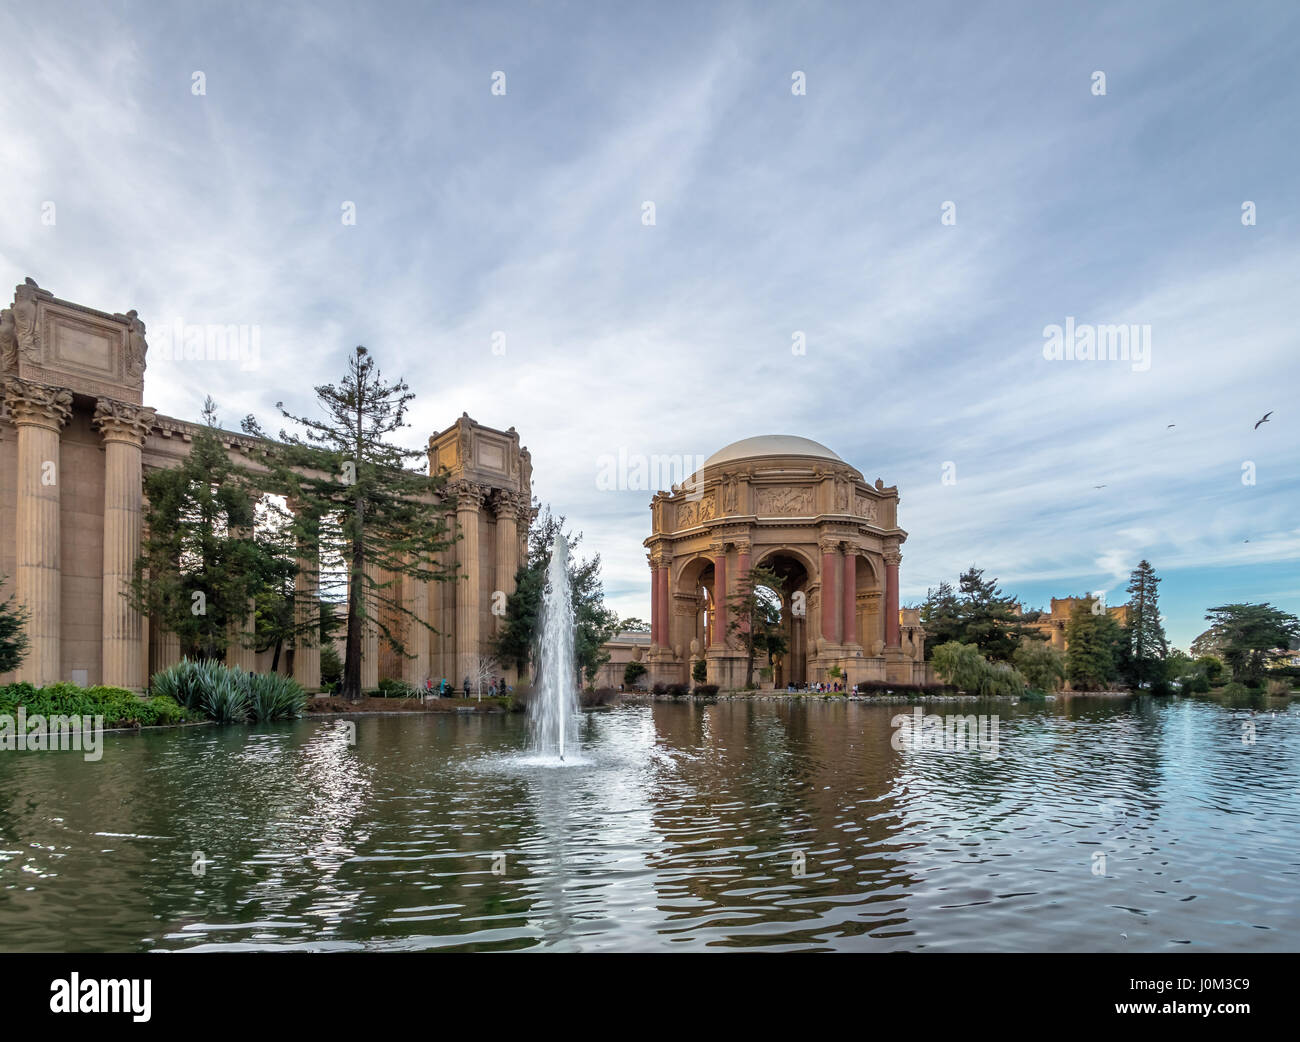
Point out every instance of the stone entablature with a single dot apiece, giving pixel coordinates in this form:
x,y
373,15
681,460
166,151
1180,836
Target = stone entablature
x,y
793,504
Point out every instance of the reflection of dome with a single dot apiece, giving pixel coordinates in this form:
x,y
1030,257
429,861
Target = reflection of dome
x,y
771,445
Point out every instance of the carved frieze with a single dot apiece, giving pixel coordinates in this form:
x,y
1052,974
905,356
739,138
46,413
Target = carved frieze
x,y
788,501
696,511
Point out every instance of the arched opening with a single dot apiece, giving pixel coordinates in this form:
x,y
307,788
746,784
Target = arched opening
x,y
791,666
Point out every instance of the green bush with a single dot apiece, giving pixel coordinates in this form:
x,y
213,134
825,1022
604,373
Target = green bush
x,y
706,689
273,696
965,668
331,666
226,696
633,672
392,688
1042,666
118,707
1033,695
700,671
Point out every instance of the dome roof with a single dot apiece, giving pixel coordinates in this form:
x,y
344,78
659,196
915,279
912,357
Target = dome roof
x,y
771,445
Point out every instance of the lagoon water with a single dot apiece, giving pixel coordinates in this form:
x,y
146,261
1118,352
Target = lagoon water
x,y
681,827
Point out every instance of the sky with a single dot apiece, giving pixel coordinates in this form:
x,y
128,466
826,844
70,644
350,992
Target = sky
x,y
873,261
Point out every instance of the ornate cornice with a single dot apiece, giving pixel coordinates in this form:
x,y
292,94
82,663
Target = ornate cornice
x,y
36,404
120,421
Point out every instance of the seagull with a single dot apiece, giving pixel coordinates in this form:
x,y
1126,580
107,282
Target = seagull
x,y
1171,426
1098,486
1264,420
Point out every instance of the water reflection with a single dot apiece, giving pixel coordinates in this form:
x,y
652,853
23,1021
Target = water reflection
x,y
775,826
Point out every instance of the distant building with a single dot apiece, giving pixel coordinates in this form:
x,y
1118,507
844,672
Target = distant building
x,y
1052,624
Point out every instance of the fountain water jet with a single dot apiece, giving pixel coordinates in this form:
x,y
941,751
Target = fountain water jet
x,y
553,714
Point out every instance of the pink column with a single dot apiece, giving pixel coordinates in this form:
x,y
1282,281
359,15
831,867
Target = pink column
x,y
892,638
720,597
830,594
849,587
655,634
665,637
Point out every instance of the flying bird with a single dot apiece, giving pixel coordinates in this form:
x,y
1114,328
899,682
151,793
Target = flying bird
x,y
1171,426
1098,486
1264,420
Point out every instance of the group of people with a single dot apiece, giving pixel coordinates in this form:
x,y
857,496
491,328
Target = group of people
x,y
821,689
497,686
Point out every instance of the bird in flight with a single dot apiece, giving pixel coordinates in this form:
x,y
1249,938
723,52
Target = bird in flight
x,y
1098,486
1171,426
1264,420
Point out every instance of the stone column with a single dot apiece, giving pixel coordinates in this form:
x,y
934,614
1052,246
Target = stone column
x,y
849,588
654,601
39,413
306,593
665,604
124,428
892,560
720,594
240,630
744,553
831,607
507,563
468,500
415,598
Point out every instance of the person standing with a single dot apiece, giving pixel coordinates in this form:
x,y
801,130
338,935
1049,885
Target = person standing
x,y
467,685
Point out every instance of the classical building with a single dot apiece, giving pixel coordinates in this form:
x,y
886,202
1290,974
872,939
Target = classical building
x,y
795,507
75,442
1051,624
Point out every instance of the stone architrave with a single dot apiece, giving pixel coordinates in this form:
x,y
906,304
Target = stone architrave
x,y
124,428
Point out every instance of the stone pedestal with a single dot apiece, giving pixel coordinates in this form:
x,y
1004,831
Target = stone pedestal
x,y
124,428
39,413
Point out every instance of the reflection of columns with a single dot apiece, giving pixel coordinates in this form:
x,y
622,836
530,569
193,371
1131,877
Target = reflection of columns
x,y
849,587
124,428
306,611
720,594
892,560
39,413
468,500
831,610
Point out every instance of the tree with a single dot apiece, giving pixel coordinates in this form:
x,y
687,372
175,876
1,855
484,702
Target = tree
x,y
1094,641
633,672
520,626
633,625
989,619
1042,666
485,669
1247,632
941,615
1147,647
755,616
202,561
700,671
13,633
376,522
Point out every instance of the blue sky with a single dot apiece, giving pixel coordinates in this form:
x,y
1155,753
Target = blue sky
x,y
774,214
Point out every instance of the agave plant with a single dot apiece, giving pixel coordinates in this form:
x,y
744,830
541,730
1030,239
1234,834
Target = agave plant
x,y
227,694
273,696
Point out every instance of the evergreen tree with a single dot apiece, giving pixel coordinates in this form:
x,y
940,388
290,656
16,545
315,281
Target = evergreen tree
x,y
941,615
1147,647
13,635
1245,633
376,522
202,560
755,617
1094,641
989,619
520,626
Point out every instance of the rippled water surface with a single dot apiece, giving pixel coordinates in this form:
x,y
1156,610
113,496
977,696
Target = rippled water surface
x,y
723,827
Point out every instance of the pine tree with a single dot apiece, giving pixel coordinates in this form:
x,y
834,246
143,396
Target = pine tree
x,y
13,635
375,521
941,615
1093,642
989,620
1147,646
202,561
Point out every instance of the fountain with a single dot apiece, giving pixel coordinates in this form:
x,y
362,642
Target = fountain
x,y
553,714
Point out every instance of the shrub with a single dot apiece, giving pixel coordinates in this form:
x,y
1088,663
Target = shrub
x,y
226,696
659,689
598,696
392,688
633,672
700,671
118,707
677,690
273,696
1278,688
189,683
965,668
331,666
706,689
1033,695
1235,690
